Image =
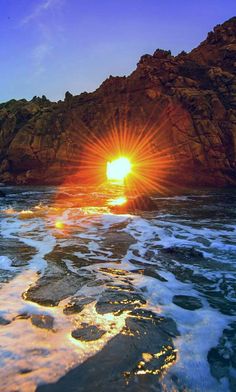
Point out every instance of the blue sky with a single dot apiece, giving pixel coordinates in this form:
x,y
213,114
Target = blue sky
x,y
51,46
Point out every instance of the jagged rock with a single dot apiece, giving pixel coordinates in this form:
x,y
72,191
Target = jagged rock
x,y
190,99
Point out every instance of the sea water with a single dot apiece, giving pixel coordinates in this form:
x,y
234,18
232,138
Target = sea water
x,y
181,257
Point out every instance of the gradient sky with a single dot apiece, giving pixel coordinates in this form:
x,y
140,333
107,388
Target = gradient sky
x,y
51,46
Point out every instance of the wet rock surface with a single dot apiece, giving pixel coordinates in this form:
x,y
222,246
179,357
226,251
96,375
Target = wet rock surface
x,y
49,291
117,241
184,253
88,333
42,321
149,271
122,364
222,358
187,302
117,301
77,304
18,252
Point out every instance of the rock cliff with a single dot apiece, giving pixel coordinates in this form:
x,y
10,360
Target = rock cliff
x,y
187,102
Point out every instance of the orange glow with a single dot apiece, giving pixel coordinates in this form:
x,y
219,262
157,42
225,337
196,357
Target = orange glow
x,y
118,169
147,144
118,202
59,224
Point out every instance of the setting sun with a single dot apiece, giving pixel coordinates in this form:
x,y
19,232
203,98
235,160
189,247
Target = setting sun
x,y
118,169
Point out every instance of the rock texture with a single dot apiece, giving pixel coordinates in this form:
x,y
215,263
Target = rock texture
x,y
188,101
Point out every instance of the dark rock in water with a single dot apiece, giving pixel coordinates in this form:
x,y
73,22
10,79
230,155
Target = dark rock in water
x,y
140,203
3,321
77,304
42,321
88,333
222,358
186,253
50,291
61,253
2,194
132,361
118,244
116,301
217,297
150,271
57,283
187,302
167,325
17,251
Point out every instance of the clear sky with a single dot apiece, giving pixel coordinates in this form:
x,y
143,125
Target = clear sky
x,y
51,46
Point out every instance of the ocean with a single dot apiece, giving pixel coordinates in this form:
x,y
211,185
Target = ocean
x,y
90,298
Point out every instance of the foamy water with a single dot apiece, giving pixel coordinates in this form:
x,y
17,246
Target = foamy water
x,y
37,219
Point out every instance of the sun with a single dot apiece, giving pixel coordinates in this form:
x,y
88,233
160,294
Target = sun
x,y
118,169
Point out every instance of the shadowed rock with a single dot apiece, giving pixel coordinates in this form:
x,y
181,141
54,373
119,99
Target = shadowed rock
x,y
117,301
88,333
149,271
58,282
183,253
187,302
77,304
117,241
42,321
132,361
50,291
17,251
222,358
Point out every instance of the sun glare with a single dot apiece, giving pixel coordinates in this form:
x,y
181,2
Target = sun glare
x,y
118,201
118,169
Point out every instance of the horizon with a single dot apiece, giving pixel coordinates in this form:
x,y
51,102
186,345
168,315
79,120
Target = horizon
x,y
51,47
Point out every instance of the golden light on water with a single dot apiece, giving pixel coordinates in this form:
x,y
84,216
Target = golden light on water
x,y
118,201
118,169
59,224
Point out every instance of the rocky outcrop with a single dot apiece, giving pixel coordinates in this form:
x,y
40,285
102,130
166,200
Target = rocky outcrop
x,y
187,103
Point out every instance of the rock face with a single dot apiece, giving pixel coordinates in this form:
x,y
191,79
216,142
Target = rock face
x,y
188,102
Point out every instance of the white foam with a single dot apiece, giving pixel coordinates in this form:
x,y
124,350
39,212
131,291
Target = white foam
x,y
5,263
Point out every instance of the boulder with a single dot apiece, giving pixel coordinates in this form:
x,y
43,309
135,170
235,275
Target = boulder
x,y
140,203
